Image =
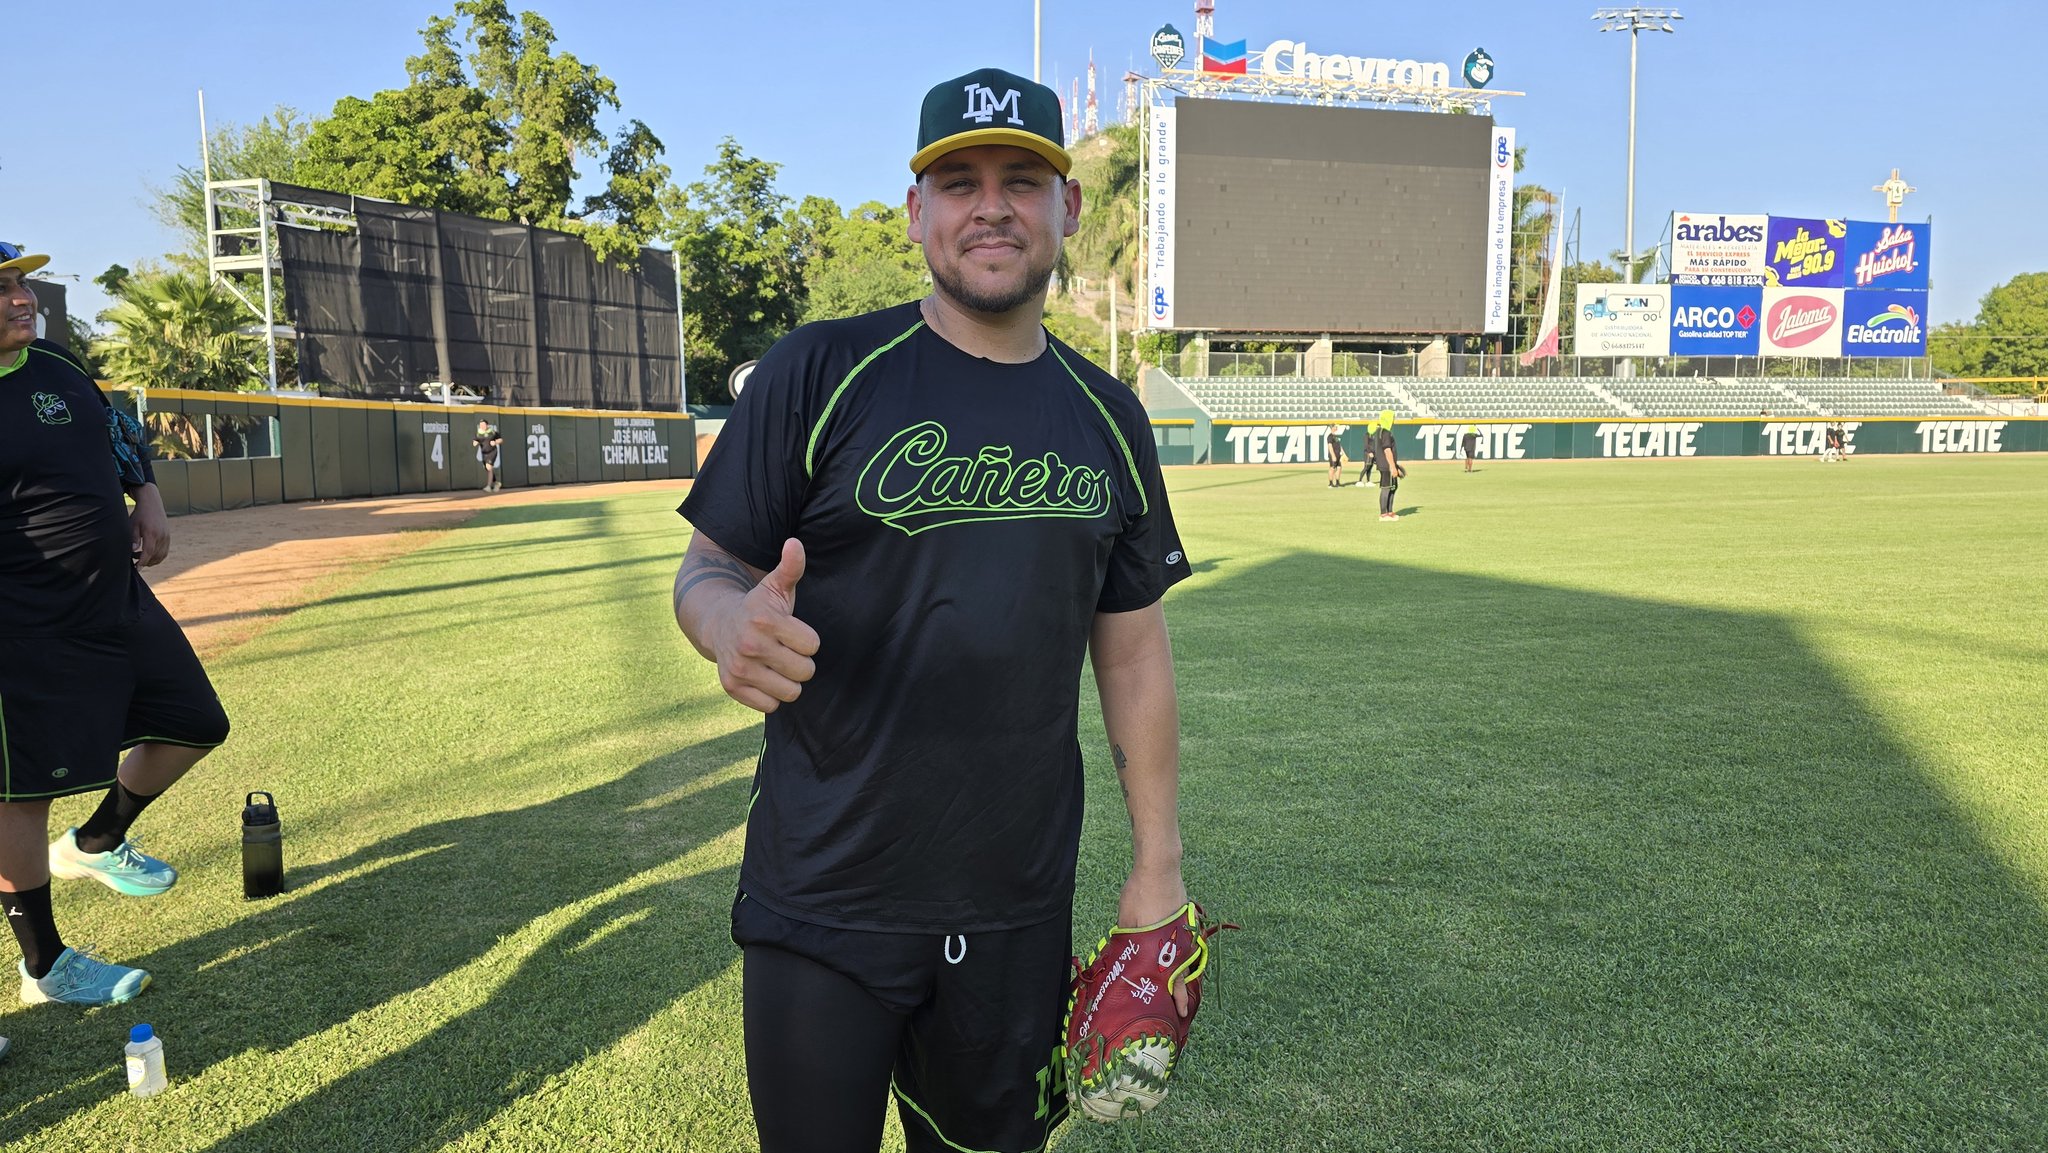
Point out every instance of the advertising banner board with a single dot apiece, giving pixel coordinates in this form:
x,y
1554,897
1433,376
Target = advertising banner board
x,y
1876,323
1623,320
1802,322
1886,255
1718,249
1500,191
1709,320
1805,253
1161,146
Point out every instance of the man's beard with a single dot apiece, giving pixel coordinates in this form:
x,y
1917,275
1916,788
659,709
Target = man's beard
x,y
1029,288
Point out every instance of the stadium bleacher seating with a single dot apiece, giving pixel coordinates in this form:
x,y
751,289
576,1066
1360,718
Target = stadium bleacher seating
x,y
1473,398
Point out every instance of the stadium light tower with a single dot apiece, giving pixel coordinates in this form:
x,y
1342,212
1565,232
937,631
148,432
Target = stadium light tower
x,y
1633,20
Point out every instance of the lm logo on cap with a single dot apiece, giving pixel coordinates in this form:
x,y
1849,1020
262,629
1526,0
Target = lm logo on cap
x,y
982,104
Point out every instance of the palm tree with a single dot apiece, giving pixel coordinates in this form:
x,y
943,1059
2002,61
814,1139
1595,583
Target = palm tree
x,y
176,330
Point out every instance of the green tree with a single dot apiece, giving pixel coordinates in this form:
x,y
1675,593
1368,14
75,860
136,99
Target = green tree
x,y
497,133
270,149
863,261
1956,349
176,330
743,251
1107,242
2010,335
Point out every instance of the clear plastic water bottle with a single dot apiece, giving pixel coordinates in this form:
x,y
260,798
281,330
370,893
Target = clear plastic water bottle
x,y
145,1062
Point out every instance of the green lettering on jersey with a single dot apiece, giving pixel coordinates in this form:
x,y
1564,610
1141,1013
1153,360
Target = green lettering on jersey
x,y
912,485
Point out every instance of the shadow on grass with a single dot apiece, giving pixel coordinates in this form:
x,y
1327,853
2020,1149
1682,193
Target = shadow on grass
x,y
421,906
1571,871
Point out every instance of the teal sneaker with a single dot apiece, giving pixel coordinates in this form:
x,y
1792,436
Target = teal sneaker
x,y
80,978
125,868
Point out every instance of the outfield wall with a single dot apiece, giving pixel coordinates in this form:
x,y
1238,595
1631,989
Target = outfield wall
x,y
284,448
1291,442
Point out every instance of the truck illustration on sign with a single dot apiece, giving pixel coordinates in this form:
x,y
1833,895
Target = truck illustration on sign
x,y
1647,307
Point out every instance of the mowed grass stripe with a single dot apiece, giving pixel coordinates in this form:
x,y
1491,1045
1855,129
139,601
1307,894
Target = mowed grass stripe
x,y
1645,805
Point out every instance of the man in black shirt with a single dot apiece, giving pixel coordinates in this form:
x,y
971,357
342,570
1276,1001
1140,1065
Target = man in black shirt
x,y
1333,447
1470,443
90,663
487,442
970,508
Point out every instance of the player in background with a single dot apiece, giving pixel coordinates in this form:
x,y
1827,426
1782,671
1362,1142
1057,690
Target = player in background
x,y
90,663
488,442
1470,443
1365,459
1389,464
1333,447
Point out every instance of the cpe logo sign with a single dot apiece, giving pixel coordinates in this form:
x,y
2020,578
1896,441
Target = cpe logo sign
x,y
1503,152
1715,321
1160,307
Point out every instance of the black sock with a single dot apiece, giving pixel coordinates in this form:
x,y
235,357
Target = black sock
x,y
108,825
28,914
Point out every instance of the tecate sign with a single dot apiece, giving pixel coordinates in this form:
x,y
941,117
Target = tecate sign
x,y
1292,58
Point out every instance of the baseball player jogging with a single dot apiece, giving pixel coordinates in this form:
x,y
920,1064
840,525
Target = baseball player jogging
x,y
90,663
915,525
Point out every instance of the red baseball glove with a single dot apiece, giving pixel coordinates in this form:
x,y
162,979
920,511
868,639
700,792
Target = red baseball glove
x,y
1124,1034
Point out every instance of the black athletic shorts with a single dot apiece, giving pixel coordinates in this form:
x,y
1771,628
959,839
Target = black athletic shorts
x,y
69,705
981,1064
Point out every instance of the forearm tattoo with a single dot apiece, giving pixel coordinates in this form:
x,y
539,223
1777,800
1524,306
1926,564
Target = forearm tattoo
x,y
707,567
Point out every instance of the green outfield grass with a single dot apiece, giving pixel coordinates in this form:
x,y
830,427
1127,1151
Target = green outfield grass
x,y
1659,805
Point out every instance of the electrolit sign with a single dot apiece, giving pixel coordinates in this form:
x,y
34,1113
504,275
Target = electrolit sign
x,y
1623,320
1879,323
1716,321
1160,224
1886,255
1168,46
1802,322
1718,248
1805,253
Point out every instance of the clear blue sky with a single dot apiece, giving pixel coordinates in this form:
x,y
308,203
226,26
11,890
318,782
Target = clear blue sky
x,y
1793,108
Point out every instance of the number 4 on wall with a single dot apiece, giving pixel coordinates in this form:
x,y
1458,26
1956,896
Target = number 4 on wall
x,y
440,461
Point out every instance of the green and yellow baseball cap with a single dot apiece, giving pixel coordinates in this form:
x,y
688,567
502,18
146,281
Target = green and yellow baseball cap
x,y
991,106
13,259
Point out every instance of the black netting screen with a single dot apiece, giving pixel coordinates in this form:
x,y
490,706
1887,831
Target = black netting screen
x,y
522,315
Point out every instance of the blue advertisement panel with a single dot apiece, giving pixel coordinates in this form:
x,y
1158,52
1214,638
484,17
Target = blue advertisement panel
x,y
1805,253
1887,255
1884,323
1714,321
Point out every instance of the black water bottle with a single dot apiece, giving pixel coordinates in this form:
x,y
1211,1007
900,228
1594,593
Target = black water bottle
x,y
262,848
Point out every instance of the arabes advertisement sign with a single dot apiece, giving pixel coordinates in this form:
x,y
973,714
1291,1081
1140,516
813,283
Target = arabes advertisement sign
x,y
1802,322
1718,249
1623,320
1161,144
1500,203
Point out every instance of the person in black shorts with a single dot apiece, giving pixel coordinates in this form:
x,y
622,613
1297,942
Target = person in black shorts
x,y
1333,447
1391,472
1470,443
487,442
90,663
912,530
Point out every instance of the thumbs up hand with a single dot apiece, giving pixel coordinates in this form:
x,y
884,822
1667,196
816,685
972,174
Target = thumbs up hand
x,y
764,652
